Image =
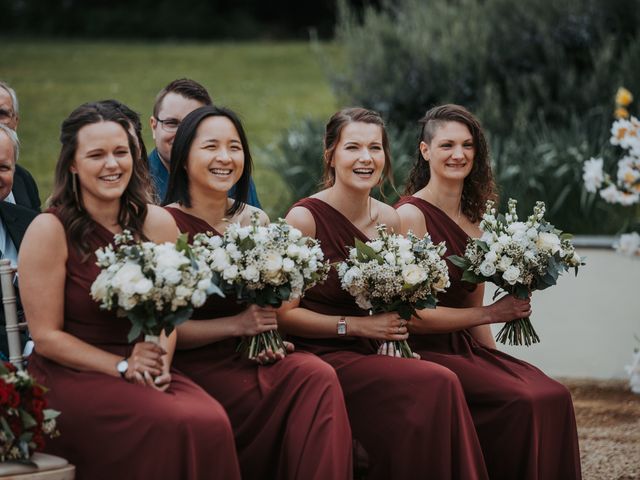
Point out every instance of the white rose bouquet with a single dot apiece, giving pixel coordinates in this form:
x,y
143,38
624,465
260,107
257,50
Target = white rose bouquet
x,y
263,265
394,273
518,257
156,286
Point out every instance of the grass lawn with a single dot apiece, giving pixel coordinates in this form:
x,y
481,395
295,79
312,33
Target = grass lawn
x,y
268,84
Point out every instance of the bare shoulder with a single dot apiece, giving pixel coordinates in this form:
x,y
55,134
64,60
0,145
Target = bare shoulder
x,y
44,241
159,225
411,218
387,215
302,219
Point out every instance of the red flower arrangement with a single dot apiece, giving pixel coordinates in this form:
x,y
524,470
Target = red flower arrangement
x,y
25,420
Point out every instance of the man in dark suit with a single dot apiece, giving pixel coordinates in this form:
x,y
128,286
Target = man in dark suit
x,y
25,190
14,218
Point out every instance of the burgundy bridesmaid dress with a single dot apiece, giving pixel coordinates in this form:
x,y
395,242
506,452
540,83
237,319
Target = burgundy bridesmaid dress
x,y
289,417
525,420
410,416
112,429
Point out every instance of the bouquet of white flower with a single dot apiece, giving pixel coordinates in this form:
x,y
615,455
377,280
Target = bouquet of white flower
x,y
263,265
518,257
156,286
394,273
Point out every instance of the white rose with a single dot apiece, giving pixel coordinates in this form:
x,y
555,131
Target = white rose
x,y
504,239
413,274
517,227
100,286
244,232
171,276
288,265
491,257
294,234
204,284
219,260
215,241
548,242
487,237
442,283
251,273
293,251
126,278
273,262
230,273
532,233
504,263
143,286
166,256
304,253
350,275
496,247
511,275
404,244
487,269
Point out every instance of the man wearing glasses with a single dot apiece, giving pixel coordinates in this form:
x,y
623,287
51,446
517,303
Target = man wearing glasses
x,y
173,103
25,191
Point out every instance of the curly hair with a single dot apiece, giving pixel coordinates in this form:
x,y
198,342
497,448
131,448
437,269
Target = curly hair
x,y
68,204
479,186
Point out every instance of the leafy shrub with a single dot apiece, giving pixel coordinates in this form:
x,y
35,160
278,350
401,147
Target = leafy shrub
x,y
540,76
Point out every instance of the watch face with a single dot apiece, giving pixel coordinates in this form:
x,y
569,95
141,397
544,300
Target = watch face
x,y
122,366
342,329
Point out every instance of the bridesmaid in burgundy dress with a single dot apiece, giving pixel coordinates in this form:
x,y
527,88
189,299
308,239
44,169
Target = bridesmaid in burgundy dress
x,y
525,420
116,422
410,416
289,417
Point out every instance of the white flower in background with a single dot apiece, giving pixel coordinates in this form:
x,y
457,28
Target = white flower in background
x,y
167,257
629,244
511,275
491,257
593,175
548,242
413,274
610,194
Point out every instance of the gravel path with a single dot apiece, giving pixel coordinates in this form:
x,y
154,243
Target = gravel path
x,y
608,417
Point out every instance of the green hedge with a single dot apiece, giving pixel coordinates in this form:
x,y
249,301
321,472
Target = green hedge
x,y
540,75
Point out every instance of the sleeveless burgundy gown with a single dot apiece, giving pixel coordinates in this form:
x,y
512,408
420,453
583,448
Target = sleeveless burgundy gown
x,y
410,416
289,417
112,429
525,420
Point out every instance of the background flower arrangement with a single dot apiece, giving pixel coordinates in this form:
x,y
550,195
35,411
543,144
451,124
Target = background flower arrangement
x,y
26,421
394,273
263,265
623,187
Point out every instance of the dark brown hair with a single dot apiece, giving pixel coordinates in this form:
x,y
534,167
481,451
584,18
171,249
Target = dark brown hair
x,y
133,204
332,133
187,88
178,189
479,185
